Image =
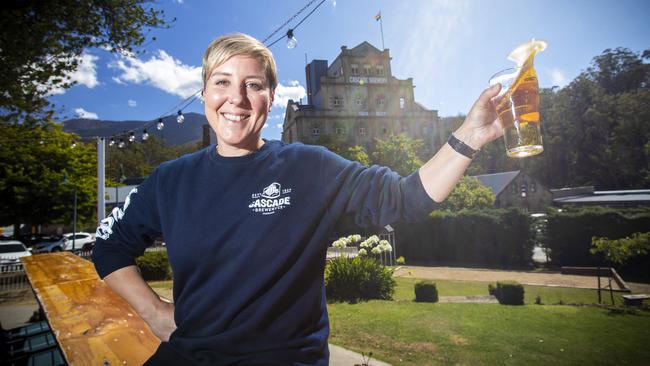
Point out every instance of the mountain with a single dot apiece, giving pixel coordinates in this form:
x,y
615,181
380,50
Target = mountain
x,y
173,133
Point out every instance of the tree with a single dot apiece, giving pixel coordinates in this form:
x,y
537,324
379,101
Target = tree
x,y
619,251
40,171
140,159
41,45
357,153
398,152
469,193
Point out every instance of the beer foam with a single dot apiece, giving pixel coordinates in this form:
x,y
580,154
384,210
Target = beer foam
x,y
521,53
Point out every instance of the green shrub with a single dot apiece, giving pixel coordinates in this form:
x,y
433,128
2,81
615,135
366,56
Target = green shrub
x,y
426,291
153,266
400,260
358,279
509,293
492,290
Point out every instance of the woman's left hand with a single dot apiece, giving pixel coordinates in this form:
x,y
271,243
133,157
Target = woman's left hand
x,y
481,124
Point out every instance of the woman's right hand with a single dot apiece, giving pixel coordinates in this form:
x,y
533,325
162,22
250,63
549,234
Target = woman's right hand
x,y
161,320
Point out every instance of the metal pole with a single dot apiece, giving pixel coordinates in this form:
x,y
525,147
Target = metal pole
x,y
74,220
101,182
381,28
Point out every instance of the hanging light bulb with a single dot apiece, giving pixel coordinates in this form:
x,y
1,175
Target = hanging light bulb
x,y
292,42
180,118
112,142
121,144
160,125
145,135
131,137
42,142
74,144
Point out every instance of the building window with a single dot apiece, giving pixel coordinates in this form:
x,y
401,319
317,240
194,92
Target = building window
x,y
358,101
340,131
366,69
362,131
402,102
337,101
380,101
315,131
380,70
384,131
355,69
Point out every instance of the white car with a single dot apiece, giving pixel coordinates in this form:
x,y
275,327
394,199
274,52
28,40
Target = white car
x,y
82,241
11,251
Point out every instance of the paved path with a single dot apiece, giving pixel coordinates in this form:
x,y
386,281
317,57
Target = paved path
x,y
524,277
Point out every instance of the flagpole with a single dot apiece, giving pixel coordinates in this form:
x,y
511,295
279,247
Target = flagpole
x,y
381,28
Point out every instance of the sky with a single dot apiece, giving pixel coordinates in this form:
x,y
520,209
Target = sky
x,y
449,47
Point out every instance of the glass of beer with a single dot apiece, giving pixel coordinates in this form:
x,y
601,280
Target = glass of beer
x,y
517,107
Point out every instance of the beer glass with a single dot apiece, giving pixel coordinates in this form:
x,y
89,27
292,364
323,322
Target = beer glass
x,y
517,107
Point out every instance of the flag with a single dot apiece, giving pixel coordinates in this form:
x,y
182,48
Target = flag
x,y
378,16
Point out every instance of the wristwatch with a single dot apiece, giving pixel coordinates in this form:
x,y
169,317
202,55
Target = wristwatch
x,y
461,147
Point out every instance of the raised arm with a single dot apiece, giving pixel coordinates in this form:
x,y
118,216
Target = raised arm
x,y
159,314
441,173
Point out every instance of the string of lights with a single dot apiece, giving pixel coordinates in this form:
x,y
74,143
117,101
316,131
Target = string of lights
x,y
159,123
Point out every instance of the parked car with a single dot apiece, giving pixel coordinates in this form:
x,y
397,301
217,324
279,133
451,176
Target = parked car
x,y
11,251
33,239
82,242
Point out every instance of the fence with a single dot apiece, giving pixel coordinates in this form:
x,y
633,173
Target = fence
x,y
13,278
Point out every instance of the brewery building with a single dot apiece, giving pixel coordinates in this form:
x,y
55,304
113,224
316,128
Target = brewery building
x,y
356,100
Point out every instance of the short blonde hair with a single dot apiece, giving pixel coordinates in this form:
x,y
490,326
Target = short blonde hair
x,y
238,44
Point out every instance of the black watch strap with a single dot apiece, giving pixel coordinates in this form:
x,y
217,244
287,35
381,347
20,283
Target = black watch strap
x,y
461,147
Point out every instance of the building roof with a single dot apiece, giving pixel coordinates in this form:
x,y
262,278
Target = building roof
x,y
497,182
637,195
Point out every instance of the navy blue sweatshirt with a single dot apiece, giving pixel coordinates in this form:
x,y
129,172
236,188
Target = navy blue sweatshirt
x,y
246,238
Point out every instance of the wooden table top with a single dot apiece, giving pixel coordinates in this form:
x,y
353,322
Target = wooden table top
x,y
92,324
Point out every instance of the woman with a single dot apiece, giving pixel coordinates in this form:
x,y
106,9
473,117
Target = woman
x,y
246,222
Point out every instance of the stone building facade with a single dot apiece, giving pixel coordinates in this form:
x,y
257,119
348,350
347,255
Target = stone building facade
x,y
518,189
356,100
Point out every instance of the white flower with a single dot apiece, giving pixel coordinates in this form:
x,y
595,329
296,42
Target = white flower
x,y
384,242
388,248
339,244
375,250
373,239
362,252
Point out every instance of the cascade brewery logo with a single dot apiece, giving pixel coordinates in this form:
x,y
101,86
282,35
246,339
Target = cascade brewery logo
x,y
105,228
272,199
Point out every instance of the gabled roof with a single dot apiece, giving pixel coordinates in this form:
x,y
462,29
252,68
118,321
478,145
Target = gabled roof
x,y
497,182
363,49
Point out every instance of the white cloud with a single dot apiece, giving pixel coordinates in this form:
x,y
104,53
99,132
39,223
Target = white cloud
x,y
82,113
85,74
557,77
178,1
284,93
279,125
161,71
265,125
132,103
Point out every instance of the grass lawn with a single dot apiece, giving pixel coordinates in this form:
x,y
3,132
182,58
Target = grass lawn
x,y
403,332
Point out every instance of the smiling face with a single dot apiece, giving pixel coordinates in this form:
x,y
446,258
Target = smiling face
x,y
237,102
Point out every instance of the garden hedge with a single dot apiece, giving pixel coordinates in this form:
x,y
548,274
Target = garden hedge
x,y
569,234
493,238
